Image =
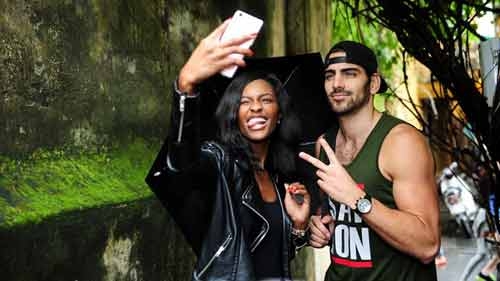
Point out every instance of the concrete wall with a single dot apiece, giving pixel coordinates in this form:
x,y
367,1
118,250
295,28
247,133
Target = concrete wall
x,y
84,98
132,241
82,73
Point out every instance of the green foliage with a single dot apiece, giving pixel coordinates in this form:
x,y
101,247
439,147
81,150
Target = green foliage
x,y
381,40
51,182
379,103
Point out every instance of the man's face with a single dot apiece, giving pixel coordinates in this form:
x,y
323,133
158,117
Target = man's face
x,y
347,86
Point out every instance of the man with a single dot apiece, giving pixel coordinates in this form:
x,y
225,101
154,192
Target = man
x,y
378,173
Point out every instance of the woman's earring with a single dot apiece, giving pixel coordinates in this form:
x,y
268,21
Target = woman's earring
x,y
279,121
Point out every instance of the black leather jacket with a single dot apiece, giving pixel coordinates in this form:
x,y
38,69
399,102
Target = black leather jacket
x,y
214,199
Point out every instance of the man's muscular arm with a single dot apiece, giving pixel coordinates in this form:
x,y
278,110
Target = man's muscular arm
x,y
405,159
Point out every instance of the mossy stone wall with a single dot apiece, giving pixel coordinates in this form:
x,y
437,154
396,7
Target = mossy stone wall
x,y
84,74
84,105
131,241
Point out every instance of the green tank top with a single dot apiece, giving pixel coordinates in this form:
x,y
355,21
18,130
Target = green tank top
x,y
357,252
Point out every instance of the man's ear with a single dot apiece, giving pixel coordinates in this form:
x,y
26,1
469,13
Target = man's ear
x,y
375,82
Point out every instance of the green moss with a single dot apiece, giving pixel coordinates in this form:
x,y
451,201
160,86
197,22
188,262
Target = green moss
x,y
51,182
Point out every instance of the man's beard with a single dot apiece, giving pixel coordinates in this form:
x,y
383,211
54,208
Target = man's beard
x,y
353,104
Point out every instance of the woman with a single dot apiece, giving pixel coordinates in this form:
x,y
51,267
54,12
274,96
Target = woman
x,y
233,199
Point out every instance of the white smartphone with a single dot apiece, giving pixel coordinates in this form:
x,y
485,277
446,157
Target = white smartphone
x,y
241,24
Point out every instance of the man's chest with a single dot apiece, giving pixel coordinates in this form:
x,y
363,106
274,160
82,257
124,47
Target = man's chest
x,y
346,153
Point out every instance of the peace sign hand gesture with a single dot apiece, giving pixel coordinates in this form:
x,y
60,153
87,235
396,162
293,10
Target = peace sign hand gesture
x,y
334,178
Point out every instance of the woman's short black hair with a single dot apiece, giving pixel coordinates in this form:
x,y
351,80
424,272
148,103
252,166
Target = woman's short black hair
x,y
281,156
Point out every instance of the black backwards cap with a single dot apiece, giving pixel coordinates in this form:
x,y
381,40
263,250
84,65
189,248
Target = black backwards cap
x,y
359,54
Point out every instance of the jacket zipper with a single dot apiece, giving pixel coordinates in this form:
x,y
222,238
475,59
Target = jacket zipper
x,y
182,102
284,220
216,255
230,237
262,234
283,217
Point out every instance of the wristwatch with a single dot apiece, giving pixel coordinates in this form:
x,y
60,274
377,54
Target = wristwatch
x,y
364,204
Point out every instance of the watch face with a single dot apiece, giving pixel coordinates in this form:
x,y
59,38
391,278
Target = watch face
x,y
364,205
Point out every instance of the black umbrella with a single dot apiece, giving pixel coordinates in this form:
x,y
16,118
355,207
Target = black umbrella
x,y
302,77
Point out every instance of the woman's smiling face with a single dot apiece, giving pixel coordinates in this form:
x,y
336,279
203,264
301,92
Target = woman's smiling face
x,y
258,113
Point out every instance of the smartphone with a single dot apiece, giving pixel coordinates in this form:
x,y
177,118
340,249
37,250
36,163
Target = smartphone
x,y
241,24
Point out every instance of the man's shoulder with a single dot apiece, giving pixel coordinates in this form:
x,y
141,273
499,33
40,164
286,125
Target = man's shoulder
x,y
400,128
404,132
405,146
395,121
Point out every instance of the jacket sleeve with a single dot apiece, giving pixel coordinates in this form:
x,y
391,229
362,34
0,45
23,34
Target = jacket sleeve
x,y
182,177
184,130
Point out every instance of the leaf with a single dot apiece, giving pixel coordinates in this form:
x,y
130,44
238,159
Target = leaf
x,y
379,102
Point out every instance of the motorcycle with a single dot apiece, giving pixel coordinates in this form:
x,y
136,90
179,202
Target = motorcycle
x,y
458,192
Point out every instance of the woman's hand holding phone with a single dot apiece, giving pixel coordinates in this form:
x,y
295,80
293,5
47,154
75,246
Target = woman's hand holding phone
x,y
212,56
242,24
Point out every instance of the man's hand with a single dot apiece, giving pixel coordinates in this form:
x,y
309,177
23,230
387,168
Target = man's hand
x,y
297,211
210,57
334,178
321,230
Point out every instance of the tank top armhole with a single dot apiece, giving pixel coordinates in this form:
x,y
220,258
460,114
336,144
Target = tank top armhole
x,y
390,123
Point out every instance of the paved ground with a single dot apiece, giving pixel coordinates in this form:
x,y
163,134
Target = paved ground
x,y
457,250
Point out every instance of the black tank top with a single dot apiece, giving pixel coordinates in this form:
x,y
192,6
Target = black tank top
x,y
267,257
